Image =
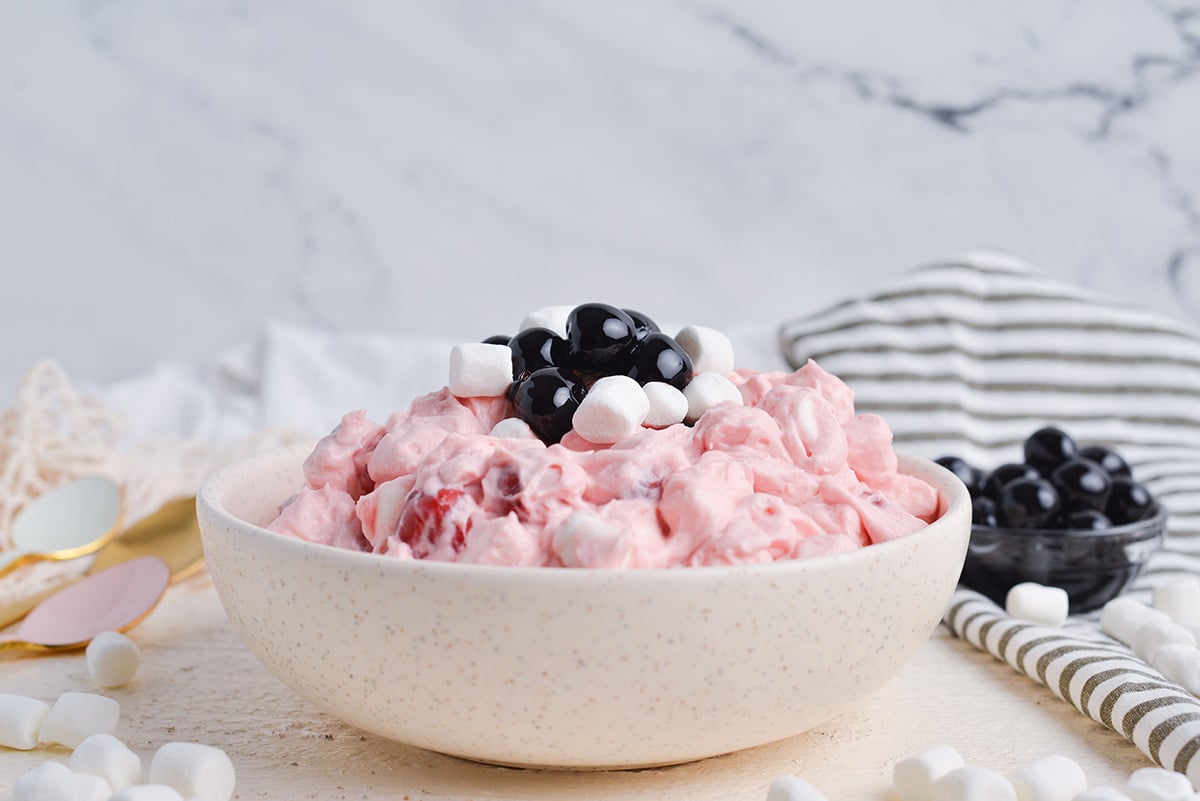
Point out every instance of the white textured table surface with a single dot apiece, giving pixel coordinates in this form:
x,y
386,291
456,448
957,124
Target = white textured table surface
x,y
198,682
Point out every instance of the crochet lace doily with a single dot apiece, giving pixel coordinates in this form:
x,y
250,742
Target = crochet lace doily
x,y
54,433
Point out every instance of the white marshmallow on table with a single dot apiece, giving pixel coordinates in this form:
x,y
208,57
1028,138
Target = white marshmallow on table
x,y
707,390
107,757
1157,633
53,781
1158,784
512,428
1179,598
195,770
552,317
148,792
20,721
77,716
709,349
793,788
1038,604
479,370
1102,794
1181,664
668,405
973,784
1122,617
913,776
613,408
1051,778
112,659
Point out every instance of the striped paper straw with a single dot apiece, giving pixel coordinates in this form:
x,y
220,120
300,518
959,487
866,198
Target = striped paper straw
x,y
1097,675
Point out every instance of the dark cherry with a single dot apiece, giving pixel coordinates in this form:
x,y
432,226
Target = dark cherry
x,y
497,339
1005,473
967,473
1084,559
1129,502
661,359
1085,520
1047,448
547,400
1112,462
643,326
600,338
1028,503
983,512
534,349
1082,484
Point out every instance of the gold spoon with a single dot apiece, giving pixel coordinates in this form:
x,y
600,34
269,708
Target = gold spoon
x,y
171,534
69,521
116,599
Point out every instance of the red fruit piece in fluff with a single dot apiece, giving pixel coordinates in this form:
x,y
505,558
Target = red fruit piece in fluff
x,y
431,522
502,490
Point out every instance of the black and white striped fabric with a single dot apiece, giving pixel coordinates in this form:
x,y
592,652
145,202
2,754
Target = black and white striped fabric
x,y
968,357
1096,675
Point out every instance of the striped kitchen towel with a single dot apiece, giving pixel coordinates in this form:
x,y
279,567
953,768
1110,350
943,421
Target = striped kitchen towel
x,y
971,355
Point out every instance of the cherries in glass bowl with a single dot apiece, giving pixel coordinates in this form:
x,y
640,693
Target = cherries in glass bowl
x,y
1065,516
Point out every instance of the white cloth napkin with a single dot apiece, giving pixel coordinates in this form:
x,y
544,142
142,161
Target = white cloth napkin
x,y
305,379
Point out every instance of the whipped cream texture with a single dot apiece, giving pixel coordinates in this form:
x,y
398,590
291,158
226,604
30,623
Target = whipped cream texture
x,y
791,473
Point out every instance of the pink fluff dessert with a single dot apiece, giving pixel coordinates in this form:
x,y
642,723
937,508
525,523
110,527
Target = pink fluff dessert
x,y
786,471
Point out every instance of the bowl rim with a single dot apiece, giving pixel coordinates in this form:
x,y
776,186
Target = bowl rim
x,y
1155,526
952,494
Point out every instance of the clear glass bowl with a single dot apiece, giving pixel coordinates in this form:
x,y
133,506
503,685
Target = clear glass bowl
x,y
1092,566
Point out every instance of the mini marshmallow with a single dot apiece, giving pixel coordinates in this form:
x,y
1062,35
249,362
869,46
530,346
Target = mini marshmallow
x,y
972,784
1179,598
1122,617
613,408
512,428
20,721
1102,794
552,317
793,788
1158,784
668,405
148,792
54,781
195,770
107,757
77,716
710,350
583,540
706,391
1051,778
1037,603
1180,663
913,777
479,370
112,659
1157,633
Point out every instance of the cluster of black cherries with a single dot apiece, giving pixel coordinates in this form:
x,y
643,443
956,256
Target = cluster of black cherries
x,y
551,375
1059,486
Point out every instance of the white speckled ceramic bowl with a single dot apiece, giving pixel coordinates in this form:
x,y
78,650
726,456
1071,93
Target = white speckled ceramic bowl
x,y
567,667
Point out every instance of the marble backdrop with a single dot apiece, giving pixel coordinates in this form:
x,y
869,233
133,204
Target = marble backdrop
x,y
173,174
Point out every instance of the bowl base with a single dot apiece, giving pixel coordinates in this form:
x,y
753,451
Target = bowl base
x,y
580,768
